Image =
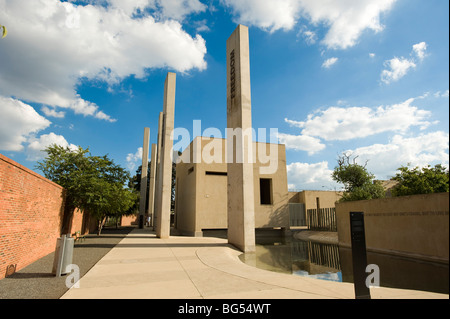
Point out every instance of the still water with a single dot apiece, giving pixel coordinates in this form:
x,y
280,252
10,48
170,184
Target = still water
x,y
331,262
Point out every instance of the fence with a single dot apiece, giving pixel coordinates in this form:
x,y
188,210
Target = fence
x,y
324,254
323,219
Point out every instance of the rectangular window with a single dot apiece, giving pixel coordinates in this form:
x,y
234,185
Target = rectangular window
x,y
265,191
217,173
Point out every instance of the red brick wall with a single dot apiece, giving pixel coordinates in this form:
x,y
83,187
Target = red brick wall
x,y
31,210
129,220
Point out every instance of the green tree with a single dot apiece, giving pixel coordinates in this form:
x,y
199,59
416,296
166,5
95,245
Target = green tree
x,y
94,184
134,183
421,181
358,183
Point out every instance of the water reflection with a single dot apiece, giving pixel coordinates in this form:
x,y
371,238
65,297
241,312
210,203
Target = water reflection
x,y
296,257
331,262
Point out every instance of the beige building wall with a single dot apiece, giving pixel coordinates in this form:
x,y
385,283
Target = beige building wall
x,y
201,190
413,226
311,199
323,199
185,199
277,213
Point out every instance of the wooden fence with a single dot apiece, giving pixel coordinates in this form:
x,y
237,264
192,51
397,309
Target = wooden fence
x,y
322,220
326,255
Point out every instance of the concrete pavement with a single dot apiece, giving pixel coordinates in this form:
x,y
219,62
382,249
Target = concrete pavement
x,y
142,266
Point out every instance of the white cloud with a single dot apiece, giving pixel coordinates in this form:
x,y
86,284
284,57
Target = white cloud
x,y
346,19
445,94
86,108
329,62
52,112
399,67
383,160
315,176
294,123
165,9
306,143
419,49
346,123
270,15
134,160
440,94
18,121
372,55
162,9
127,6
36,147
425,149
201,26
178,10
53,44
309,36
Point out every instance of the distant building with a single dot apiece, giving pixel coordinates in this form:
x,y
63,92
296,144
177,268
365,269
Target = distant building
x,y
315,199
301,202
201,187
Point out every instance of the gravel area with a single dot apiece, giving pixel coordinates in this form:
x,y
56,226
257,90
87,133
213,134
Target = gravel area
x,y
36,281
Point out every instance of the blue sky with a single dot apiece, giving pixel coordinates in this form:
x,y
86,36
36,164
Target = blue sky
x,y
367,77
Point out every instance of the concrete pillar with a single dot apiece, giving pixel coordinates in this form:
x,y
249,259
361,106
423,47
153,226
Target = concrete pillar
x,y
158,183
241,203
151,191
143,199
163,220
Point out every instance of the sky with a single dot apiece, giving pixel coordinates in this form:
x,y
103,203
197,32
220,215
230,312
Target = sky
x,y
368,78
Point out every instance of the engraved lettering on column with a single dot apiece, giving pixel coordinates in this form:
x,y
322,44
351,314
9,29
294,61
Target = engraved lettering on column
x,y
232,76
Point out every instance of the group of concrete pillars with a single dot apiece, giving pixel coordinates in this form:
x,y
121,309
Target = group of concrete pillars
x,y
241,212
160,166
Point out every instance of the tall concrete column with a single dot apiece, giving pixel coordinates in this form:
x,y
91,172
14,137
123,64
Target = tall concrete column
x,y
158,183
151,192
241,203
163,220
144,171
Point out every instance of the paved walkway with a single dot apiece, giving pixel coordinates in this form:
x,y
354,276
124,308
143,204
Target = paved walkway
x,y
143,266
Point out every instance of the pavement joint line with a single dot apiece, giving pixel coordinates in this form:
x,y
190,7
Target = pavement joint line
x,y
262,282
184,269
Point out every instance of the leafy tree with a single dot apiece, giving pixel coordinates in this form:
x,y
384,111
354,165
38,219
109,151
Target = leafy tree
x,y
94,184
134,183
358,183
421,181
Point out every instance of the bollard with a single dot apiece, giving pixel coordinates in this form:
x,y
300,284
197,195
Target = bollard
x,y
359,255
63,255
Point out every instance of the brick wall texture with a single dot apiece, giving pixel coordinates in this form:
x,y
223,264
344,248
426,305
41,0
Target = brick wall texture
x,y
31,211
129,220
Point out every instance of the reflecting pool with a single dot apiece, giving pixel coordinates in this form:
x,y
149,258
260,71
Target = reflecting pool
x,y
331,262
